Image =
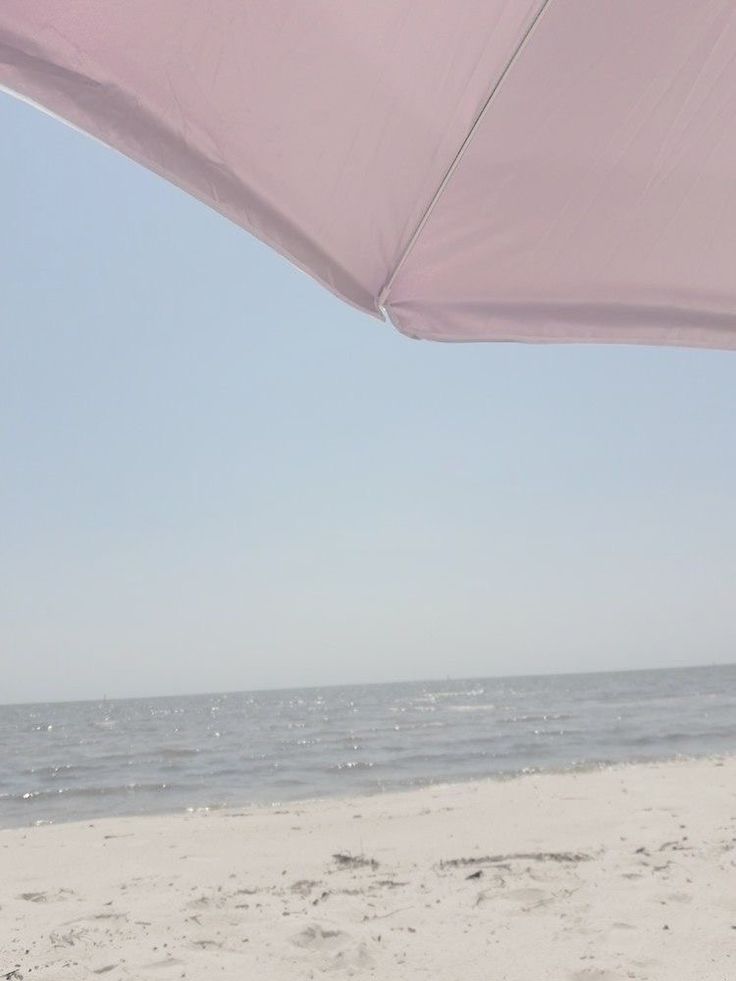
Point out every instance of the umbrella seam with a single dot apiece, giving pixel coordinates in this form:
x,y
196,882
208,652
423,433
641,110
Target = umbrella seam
x,y
383,295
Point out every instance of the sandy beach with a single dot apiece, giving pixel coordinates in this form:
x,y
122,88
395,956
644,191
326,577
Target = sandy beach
x,y
626,873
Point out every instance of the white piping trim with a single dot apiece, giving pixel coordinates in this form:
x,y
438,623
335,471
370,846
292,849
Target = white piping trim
x,y
48,112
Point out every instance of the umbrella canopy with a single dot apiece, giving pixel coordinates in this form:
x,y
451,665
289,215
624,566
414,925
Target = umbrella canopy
x,y
536,170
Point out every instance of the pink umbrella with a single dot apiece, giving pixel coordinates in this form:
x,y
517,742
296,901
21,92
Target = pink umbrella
x,y
532,170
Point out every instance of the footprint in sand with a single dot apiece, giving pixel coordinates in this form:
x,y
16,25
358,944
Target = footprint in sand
x,y
528,898
679,897
335,946
68,939
356,957
43,897
316,938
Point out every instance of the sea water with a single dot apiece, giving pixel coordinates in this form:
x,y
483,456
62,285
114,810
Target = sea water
x,y
83,760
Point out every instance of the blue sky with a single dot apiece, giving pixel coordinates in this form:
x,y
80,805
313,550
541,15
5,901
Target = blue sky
x,y
214,475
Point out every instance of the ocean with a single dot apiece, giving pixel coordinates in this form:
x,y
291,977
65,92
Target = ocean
x,y
83,760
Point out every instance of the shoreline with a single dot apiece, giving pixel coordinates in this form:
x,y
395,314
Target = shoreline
x,y
594,766
619,872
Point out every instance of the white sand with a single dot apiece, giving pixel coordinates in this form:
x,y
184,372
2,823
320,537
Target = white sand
x,y
617,874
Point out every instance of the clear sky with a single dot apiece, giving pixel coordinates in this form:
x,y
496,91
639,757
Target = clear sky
x,y
216,476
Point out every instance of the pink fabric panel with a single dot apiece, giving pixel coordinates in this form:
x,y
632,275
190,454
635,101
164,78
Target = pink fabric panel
x,y
324,127
597,198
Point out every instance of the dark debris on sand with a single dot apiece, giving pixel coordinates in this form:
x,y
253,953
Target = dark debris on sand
x,y
516,856
345,861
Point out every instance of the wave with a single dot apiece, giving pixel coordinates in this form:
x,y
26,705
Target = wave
x,y
471,708
87,792
175,752
351,765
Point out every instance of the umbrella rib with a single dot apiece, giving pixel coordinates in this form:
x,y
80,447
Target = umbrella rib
x,y
382,296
